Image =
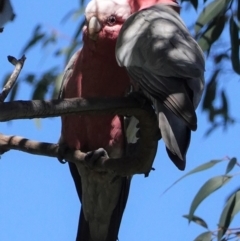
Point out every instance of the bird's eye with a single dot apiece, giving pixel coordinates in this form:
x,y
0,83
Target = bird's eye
x,y
111,20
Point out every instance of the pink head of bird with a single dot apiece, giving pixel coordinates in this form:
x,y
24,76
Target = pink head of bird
x,y
105,18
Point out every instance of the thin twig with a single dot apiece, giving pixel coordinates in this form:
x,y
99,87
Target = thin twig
x,y
13,78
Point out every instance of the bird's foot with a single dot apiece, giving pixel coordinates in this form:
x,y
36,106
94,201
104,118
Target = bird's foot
x,y
92,157
3,150
140,97
62,149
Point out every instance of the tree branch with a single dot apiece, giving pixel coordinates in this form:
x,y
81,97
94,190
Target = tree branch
x,y
140,161
36,148
13,77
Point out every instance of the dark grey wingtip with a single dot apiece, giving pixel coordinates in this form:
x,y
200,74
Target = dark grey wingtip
x,y
179,163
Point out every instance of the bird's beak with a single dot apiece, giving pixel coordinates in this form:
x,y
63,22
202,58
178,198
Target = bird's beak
x,y
94,27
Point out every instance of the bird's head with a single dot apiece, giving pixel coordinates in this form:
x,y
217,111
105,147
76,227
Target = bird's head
x,y
104,18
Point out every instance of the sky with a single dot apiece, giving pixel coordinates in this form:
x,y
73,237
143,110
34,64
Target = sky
x,y
38,200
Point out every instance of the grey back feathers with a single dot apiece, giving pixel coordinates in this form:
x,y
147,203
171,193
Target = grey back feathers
x,y
163,58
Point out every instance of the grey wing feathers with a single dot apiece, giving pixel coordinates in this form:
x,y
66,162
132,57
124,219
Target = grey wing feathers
x,y
67,74
164,59
159,36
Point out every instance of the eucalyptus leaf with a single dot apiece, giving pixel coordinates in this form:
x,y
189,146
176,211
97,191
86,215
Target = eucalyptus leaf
x,y
238,11
210,93
231,208
235,45
200,168
208,188
231,165
197,220
212,10
206,236
211,34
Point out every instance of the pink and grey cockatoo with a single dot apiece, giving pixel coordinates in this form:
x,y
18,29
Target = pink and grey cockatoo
x,y
167,64
93,72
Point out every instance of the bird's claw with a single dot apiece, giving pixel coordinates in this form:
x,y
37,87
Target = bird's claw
x,y
3,150
139,96
62,149
93,156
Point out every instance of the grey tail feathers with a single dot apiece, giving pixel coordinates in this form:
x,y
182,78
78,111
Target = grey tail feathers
x,y
175,133
83,233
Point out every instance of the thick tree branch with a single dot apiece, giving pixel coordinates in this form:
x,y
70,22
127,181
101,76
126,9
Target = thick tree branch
x,y
138,161
42,109
13,77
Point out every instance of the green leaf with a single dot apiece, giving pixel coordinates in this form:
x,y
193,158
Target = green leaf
x,y
206,236
223,111
77,14
197,220
231,208
30,78
57,86
210,93
52,39
36,37
200,168
231,165
238,11
74,14
212,33
195,3
219,57
45,84
208,188
211,11
235,46
79,28
213,127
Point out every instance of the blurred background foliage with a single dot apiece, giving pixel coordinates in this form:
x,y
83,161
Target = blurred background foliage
x,y
215,19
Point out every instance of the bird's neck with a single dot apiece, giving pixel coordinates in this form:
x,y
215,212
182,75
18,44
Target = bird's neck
x,y
103,47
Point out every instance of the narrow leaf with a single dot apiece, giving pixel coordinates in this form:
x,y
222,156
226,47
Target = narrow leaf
x,y
212,33
235,46
231,165
194,3
238,11
200,168
231,208
36,37
211,11
210,91
206,236
208,188
224,107
213,127
79,28
219,57
197,220
236,189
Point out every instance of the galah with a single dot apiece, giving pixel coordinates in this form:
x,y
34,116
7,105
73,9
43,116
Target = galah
x,y
167,64
94,72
